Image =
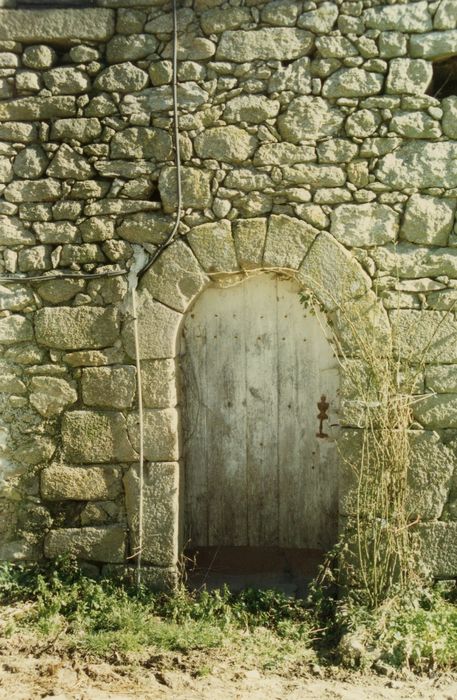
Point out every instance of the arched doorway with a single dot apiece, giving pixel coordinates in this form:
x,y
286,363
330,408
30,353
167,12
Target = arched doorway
x,y
260,487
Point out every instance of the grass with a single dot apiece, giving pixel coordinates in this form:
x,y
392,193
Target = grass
x,y
102,619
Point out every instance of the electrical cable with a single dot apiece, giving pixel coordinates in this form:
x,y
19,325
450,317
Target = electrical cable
x,y
172,235
139,547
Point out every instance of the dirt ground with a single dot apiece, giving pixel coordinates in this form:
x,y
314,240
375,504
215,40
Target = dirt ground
x,y
32,676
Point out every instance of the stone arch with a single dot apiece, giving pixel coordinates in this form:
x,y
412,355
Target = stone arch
x,y
212,254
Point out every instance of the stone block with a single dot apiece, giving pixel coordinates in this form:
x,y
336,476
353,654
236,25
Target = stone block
x,y
108,387
446,15
247,180
408,76
69,328
364,225
332,273
159,383
408,261
430,475
56,26
39,57
288,241
14,297
35,451
219,20
18,132
320,20
434,46
82,130
441,378
130,48
438,411
253,109
15,329
51,395
94,358
161,510
30,163
104,544
229,144
294,76
449,121
13,232
213,246
315,176
57,291
428,220
62,232
283,154
11,384
190,97
421,165
413,17
68,163
392,44
145,228
62,483
141,142
80,254
66,80
196,191
362,124
309,118
249,238
424,336
47,190
160,434
352,82
123,77
276,43
34,259
191,48
158,329
92,436
29,108
6,170
415,125
438,548
176,277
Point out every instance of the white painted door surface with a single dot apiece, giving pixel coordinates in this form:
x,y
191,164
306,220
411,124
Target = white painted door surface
x,y
254,366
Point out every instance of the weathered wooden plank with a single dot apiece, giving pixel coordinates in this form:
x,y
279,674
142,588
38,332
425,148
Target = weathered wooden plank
x,y
194,428
261,401
225,376
307,489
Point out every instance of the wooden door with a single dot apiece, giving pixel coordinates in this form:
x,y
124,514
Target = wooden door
x,y
254,365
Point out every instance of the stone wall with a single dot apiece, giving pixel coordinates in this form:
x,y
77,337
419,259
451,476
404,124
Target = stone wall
x,y
309,144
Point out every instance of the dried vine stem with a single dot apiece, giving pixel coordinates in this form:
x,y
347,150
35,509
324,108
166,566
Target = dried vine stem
x,y
377,553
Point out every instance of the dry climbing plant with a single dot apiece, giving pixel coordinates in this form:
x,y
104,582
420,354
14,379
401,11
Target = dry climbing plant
x,y
376,551
378,556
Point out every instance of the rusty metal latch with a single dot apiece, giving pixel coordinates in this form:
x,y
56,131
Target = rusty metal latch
x,y
323,407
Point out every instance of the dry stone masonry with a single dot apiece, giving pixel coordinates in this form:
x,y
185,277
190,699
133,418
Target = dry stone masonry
x,y
314,139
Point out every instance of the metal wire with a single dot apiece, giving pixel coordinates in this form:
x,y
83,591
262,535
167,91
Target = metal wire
x,y
139,548
64,275
172,235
